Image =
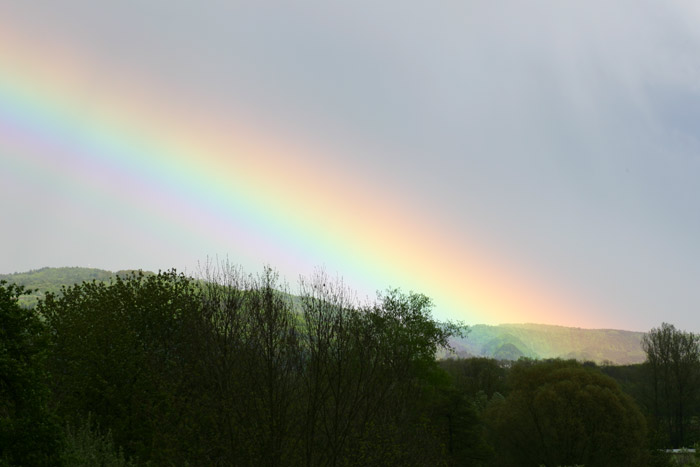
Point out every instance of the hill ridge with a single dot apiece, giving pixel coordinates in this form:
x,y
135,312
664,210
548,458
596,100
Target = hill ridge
x,y
552,341
507,341
51,279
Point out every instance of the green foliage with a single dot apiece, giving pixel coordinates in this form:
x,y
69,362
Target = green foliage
x,y
409,328
28,432
561,413
635,381
231,370
474,376
673,363
87,446
119,351
50,280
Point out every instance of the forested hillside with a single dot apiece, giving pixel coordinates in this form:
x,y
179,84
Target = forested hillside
x,y
41,281
232,369
512,341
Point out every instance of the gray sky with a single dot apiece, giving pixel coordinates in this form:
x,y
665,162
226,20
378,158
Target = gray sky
x,y
561,137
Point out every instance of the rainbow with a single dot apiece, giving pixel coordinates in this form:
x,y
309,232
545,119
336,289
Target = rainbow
x,y
271,198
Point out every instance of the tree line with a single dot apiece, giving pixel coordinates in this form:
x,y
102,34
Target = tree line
x,y
232,369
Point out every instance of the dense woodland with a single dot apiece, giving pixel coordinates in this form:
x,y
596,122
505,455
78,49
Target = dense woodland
x,y
231,369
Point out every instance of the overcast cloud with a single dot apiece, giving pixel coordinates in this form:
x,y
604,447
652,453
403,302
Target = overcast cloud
x,y
564,135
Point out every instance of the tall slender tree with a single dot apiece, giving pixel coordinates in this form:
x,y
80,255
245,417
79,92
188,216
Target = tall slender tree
x,y
673,360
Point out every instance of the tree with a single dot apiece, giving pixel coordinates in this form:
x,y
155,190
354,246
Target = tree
x,y
370,377
29,434
233,370
477,377
122,352
561,413
673,360
250,359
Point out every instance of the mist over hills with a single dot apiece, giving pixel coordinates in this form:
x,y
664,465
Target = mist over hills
x,y
512,341
502,342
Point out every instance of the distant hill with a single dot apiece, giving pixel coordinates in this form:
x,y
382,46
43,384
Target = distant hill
x,y
511,341
52,279
503,342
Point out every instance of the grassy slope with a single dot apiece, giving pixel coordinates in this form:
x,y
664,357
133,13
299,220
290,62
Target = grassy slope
x,y
44,280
